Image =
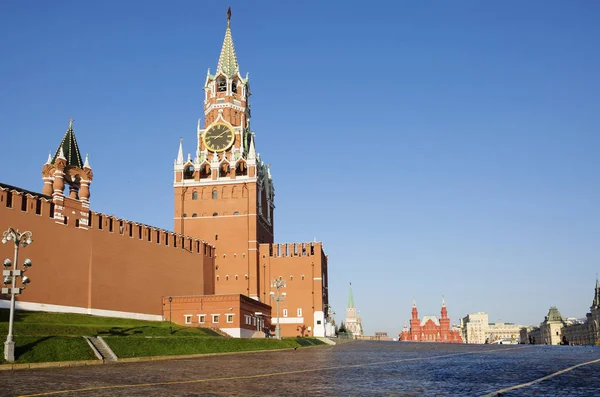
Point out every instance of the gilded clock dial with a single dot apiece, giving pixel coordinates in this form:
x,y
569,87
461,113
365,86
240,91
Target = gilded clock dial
x,y
219,138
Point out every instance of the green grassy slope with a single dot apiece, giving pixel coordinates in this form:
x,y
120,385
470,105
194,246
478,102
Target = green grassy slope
x,y
45,337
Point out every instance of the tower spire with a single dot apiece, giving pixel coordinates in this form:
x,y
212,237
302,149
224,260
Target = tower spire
x,y
69,149
228,63
351,298
179,160
596,302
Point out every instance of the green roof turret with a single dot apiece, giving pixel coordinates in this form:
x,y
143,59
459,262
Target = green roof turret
x,y
68,149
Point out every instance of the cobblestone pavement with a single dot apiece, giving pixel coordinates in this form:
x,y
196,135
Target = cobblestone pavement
x,y
350,369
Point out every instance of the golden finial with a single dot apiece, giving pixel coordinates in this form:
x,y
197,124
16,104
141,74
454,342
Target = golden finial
x,y
71,123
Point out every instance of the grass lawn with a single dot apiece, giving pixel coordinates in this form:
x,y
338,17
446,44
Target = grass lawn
x,y
66,324
43,337
144,347
35,349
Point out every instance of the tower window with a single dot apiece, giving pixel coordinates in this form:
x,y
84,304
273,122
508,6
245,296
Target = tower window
x,y
236,213
234,86
215,214
221,84
185,215
215,194
205,172
194,195
194,215
188,172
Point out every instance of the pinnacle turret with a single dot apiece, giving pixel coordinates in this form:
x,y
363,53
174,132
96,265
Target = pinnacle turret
x,y
179,160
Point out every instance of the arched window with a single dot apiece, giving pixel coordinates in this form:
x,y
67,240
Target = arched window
x,y
227,277
205,172
194,195
221,84
188,172
194,215
185,215
215,194
234,86
236,213
215,214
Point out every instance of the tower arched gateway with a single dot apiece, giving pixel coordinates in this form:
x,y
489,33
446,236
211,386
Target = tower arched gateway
x,y
230,189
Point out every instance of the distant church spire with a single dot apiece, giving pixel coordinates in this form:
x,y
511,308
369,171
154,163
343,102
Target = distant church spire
x,y
351,298
228,63
596,302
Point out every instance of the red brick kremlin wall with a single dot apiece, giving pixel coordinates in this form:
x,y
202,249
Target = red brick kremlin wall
x,y
111,264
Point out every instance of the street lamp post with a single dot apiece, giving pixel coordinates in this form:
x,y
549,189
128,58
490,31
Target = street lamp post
x,y
170,316
10,278
278,297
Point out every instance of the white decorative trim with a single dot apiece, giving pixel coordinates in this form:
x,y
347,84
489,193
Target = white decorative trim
x,y
239,332
317,278
288,320
43,307
222,105
239,179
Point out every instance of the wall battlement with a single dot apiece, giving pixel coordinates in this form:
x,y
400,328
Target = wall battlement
x,y
295,249
35,204
86,261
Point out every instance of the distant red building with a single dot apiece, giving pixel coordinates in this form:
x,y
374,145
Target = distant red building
x,y
430,329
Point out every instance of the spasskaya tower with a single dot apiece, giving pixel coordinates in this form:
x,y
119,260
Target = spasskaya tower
x,y
224,195
224,192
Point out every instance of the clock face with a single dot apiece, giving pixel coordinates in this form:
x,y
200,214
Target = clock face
x,y
218,138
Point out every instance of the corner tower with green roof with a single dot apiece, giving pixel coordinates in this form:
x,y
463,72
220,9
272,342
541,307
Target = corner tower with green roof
x,y
64,168
353,322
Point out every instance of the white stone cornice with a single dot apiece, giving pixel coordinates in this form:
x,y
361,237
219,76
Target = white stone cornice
x,y
223,106
240,179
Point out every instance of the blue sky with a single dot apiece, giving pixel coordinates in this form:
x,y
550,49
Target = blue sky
x,y
436,148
